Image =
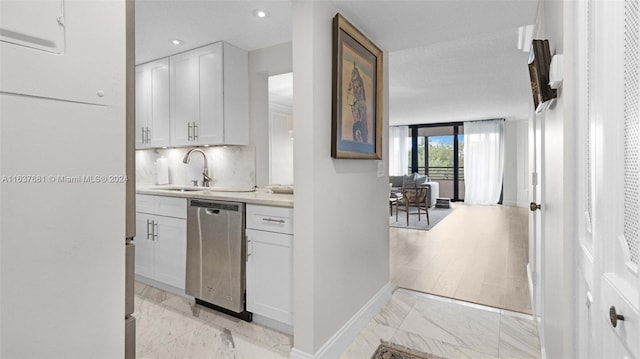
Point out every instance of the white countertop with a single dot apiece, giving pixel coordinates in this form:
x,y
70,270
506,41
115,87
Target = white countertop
x,y
259,196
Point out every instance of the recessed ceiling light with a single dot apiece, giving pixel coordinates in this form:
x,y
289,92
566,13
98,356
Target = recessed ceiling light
x,y
176,41
260,13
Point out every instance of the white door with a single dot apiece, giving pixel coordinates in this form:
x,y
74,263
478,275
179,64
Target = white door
x,y
616,205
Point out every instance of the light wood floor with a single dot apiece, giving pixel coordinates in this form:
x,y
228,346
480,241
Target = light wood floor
x,y
477,254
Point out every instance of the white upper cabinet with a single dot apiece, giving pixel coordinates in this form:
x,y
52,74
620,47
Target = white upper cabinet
x,y
153,113
209,96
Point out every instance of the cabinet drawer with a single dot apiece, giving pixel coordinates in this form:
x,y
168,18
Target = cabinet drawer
x,y
162,206
171,207
145,203
272,219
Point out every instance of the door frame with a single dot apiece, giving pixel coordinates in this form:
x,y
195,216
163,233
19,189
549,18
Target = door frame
x,y
535,268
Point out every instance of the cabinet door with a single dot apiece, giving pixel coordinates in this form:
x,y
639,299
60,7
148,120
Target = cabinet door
x,y
184,97
269,275
171,251
210,123
143,83
144,245
160,114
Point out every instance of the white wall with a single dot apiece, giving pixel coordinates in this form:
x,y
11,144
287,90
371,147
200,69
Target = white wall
x,y
516,164
263,63
62,244
341,248
281,146
559,183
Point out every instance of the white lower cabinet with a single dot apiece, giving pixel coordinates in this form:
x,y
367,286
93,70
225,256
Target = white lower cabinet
x,y
269,263
161,241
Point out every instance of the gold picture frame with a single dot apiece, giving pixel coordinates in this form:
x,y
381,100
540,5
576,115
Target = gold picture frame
x,y
356,130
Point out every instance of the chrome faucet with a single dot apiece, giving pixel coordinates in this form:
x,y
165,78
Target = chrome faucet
x,y
205,172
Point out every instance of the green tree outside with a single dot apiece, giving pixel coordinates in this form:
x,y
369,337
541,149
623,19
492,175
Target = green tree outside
x,y
440,153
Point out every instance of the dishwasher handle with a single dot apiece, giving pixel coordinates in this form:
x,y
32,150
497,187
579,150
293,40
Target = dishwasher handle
x,y
212,211
224,206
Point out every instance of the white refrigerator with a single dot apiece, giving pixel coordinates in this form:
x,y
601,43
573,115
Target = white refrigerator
x,y
67,168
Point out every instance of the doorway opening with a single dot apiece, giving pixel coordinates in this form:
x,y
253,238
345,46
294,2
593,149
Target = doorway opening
x,y
477,253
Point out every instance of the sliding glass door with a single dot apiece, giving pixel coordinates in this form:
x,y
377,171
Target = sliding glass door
x,y
438,152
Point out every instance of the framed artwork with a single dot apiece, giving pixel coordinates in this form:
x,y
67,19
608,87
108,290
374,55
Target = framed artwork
x,y
356,130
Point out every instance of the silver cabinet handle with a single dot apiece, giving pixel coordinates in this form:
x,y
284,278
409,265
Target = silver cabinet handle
x,y
145,135
281,221
148,137
195,131
248,246
189,131
148,231
155,230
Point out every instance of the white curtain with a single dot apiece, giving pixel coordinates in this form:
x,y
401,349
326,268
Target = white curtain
x,y
483,161
398,150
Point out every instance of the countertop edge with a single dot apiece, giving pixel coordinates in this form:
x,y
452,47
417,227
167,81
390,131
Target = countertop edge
x,y
259,197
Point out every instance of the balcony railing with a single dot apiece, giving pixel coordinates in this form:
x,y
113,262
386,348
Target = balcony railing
x,y
444,176
440,173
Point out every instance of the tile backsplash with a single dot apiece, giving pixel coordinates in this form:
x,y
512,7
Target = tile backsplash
x,y
229,166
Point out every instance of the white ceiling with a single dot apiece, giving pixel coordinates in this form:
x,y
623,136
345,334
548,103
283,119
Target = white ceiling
x,y
202,22
448,60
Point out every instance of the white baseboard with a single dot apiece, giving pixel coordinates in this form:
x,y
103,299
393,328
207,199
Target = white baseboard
x,y
299,354
530,280
339,342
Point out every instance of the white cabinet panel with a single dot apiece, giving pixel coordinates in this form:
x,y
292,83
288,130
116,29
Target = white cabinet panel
x,y
160,115
184,97
272,219
152,104
161,205
209,127
270,262
145,204
209,96
161,239
171,206
269,275
143,84
144,245
171,251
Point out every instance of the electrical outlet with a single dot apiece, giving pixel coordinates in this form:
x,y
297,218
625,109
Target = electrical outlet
x,y
380,169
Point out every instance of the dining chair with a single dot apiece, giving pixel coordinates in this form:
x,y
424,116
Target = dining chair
x,y
415,196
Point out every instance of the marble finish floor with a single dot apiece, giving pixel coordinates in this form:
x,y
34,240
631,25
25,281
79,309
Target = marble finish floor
x,y
477,254
170,326
447,328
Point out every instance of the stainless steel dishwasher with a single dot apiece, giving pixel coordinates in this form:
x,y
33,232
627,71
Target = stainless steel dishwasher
x,y
216,256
